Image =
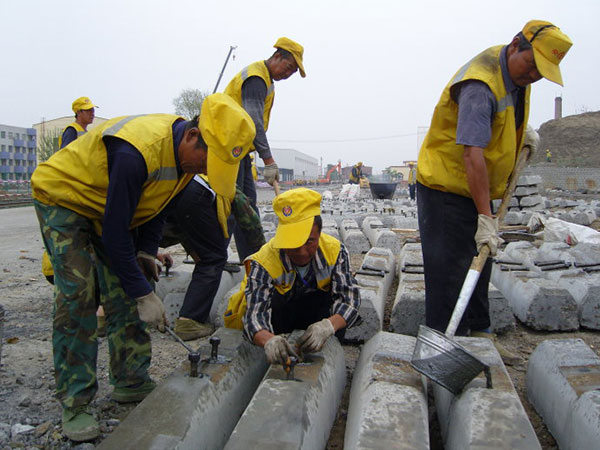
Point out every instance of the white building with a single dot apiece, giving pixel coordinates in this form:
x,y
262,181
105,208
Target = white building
x,y
293,164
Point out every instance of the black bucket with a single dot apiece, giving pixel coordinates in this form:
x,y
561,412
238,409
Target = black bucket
x,y
382,190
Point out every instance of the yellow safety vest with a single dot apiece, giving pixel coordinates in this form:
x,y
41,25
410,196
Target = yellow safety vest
x,y
256,69
78,128
76,177
411,176
358,171
440,164
269,258
47,269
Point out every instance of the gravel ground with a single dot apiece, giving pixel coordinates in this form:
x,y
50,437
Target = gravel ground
x,y
30,416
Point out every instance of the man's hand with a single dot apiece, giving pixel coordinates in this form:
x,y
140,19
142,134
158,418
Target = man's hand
x,y
151,310
148,265
278,350
315,336
271,173
531,140
487,233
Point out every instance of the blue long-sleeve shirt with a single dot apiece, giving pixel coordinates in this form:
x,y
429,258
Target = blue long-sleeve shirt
x,y
68,136
127,174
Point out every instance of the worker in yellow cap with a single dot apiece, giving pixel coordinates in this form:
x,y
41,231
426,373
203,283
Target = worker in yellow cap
x,y
253,88
85,112
477,130
106,194
300,279
356,173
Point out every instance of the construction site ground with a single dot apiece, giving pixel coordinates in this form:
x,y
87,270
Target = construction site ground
x,y
26,371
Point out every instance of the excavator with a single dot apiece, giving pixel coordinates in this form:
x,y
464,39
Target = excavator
x,y
337,168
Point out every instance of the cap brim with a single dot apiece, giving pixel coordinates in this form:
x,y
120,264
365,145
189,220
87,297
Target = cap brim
x,y
547,69
293,235
221,176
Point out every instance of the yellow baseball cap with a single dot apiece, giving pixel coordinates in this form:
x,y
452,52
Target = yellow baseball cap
x,y
82,103
296,210
228,131
295,49
550,45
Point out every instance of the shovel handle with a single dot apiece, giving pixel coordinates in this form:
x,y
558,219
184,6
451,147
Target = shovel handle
x,y
276,187
479,261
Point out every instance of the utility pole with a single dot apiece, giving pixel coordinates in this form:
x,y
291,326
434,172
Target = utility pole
x,y
231,49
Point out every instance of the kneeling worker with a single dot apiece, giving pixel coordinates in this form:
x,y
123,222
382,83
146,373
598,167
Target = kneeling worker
x,y
300,279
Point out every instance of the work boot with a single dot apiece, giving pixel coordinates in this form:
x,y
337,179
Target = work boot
x,y
134,393
188,329
509,358
78,425
101,327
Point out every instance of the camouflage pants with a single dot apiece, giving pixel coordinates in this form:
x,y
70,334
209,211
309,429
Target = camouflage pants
x,y
77,256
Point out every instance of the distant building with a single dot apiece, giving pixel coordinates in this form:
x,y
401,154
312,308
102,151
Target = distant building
x,y
293,164
54,127
402,170
17,153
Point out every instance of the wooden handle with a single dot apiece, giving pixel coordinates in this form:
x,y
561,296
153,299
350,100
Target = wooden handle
x,y
276,187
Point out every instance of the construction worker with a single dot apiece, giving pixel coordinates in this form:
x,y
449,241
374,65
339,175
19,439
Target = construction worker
x,y
300,279
93,197
356,173
194,222
548,155
253,88
412,181
85,112
254,171
478,127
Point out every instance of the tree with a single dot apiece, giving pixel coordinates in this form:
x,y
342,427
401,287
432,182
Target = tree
x,y
48,144
189,102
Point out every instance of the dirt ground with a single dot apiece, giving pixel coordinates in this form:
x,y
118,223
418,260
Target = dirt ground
x,y
26,370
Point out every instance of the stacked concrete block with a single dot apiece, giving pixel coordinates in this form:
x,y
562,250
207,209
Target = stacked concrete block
x,y
374,277
482,417
388,399
330,227
563,378
218,308
501,316
583,216
379,235
294,413
408,311
196,412
353,237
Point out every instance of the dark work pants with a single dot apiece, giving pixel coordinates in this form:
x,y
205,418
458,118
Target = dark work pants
x,y
246,184
301,311
196,216
447,224
412,189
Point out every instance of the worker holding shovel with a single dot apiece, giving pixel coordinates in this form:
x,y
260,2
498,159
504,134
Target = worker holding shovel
x,y
478,128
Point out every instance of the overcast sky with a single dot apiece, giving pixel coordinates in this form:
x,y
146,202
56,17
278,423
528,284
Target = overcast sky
x,y
375,69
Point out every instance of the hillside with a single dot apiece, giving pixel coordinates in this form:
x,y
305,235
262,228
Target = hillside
x,y
574,141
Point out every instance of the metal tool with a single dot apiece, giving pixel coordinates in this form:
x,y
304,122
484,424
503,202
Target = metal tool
x,y
193,355
438,356
276,187
289,367
167,267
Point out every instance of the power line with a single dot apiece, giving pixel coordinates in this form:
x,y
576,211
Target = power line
x,y
329,141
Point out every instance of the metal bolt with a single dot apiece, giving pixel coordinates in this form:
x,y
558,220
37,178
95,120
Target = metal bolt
x,y
214,341
194,358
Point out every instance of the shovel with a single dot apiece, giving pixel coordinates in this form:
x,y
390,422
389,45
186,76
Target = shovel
x,y
276,187
437,355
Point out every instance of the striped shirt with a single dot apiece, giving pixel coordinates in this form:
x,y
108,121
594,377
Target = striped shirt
x,y
260,287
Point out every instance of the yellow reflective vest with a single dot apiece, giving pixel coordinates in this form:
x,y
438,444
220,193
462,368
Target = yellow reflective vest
x,y
440,165
269,258
78,128
256,69
76,177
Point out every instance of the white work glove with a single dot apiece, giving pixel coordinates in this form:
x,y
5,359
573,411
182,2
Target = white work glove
x,y
487,233
148,265
278,350
271,173
315,336
151,310
531,140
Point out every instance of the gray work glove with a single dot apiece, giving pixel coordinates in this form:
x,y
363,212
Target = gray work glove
x,y
531,140
151,310
487,233
271,173
148,265
315,336
278,350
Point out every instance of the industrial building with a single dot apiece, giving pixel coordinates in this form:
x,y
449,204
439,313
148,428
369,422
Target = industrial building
x,y
293,164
